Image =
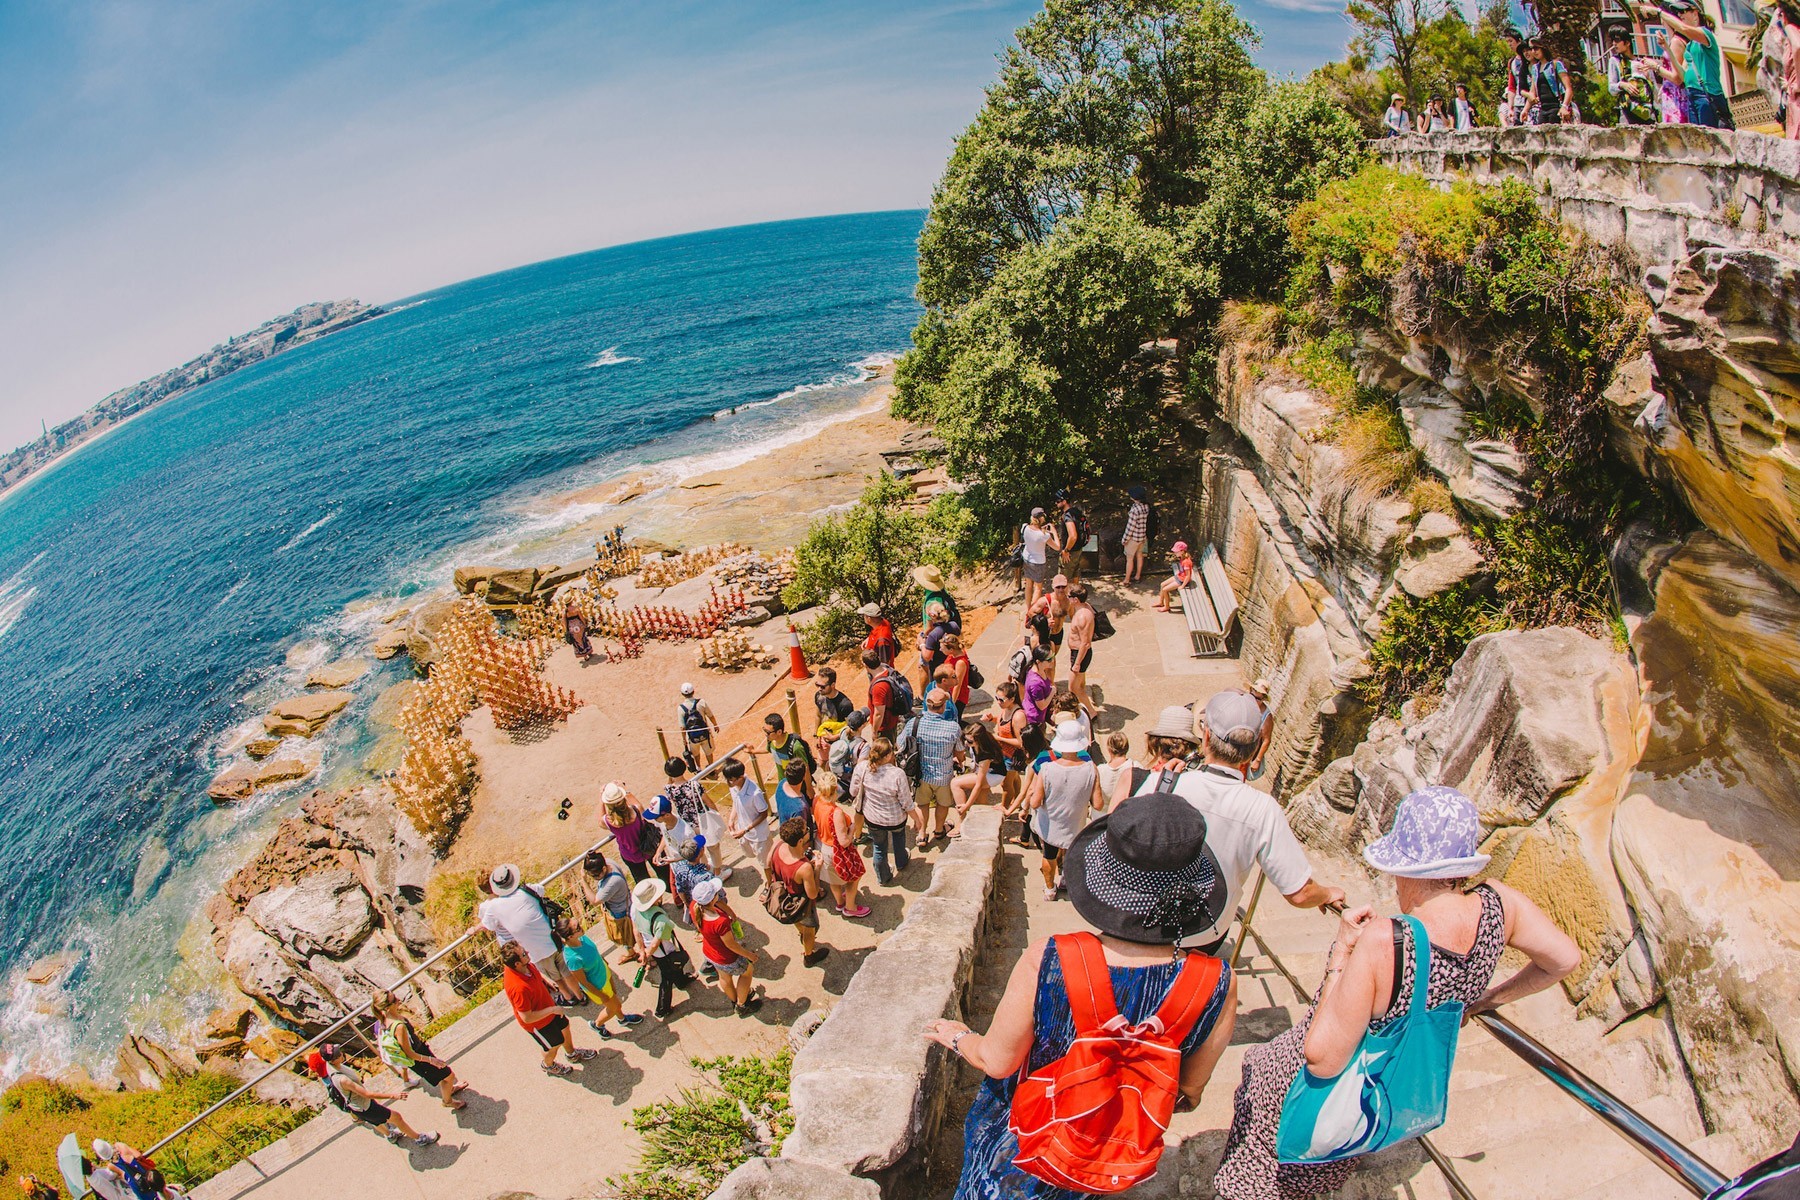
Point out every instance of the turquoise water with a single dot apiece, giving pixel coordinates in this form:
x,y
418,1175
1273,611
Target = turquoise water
x,y
163,585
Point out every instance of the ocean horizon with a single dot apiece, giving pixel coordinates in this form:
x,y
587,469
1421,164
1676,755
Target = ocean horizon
x,y
165,583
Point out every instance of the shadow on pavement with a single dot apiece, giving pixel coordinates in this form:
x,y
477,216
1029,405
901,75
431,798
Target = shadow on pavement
x,y
483,1115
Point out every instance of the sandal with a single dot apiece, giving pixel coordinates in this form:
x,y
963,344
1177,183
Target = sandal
x,y
456,1104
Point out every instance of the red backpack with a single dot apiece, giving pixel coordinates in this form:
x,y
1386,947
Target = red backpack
x,y
1093,1120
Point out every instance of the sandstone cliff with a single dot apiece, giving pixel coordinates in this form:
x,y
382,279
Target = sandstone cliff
x,y
1639,784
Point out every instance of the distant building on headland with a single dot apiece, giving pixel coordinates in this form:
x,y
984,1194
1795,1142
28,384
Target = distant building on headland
x,y
307,323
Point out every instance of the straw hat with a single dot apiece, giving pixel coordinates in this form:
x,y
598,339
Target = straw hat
x,y
1143,872
929,578
613,793
1436,835
649,893
504,880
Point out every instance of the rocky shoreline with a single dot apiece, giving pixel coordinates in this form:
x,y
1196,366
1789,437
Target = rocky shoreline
x,y
332,906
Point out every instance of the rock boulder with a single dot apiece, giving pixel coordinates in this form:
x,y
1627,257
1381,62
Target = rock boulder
x,y
305,715
263,972
242,782
337,675
325,912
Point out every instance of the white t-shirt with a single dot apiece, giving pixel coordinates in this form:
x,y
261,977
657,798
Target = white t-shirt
x,y
107,1185
1035,540
1109,776
749,805
517,918
1244,827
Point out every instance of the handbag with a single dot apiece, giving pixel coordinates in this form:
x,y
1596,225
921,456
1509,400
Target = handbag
x,y
1395,1087
780,901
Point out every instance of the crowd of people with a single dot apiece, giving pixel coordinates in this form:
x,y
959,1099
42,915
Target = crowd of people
x,y
1681,82
1154,855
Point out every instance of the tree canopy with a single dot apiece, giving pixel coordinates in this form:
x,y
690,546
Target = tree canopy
x,y
1130,168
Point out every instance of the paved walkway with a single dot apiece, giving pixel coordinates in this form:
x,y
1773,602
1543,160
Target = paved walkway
x,y
555,1138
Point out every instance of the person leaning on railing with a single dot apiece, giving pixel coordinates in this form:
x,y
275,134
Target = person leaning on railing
x,y
1431,853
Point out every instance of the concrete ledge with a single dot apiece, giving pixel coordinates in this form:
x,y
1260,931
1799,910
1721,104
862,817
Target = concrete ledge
x,y
868,1089
1659,191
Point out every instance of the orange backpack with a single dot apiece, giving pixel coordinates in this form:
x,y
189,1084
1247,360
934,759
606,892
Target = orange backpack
x,y
1093,1120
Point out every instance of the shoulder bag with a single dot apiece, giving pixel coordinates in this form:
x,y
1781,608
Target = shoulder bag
x,y
1395,1087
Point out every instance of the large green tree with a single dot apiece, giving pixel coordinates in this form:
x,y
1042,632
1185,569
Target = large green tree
x,y
1130,168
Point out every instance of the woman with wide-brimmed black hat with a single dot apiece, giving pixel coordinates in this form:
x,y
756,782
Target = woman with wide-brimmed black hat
x,y
1144,880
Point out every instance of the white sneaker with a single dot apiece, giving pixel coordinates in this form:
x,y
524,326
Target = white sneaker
x,y
425,1139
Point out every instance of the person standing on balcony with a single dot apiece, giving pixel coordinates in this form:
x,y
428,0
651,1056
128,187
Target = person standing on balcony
x,y
1518,81
1431,852
1706,103
1462,112
1436,120
1626,82
1396,119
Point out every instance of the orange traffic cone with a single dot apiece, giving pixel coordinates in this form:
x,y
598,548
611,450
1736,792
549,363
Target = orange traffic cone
x,y
795,655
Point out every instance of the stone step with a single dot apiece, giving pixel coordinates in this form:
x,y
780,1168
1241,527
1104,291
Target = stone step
x,y
1647,1181
1559,1157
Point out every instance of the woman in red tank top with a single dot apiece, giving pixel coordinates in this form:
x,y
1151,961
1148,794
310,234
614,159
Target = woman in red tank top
x,y
792,863
839,862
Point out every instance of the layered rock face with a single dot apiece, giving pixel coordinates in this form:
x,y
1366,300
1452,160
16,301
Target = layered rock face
x,y
329,911
1643,793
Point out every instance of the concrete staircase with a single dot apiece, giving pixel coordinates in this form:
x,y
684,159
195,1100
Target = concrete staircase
x,y
1511,1132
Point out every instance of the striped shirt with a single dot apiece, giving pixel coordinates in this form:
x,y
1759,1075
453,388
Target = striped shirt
x,y
1137,522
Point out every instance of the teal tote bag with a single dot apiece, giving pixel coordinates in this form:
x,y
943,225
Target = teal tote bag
x,y
1396,1086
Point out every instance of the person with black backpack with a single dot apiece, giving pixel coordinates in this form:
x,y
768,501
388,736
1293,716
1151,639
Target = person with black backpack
x,y
697,725
1074,530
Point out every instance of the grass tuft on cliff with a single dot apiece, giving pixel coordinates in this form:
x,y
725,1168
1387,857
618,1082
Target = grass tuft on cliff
x,y
1482,270
35,1114
692,1142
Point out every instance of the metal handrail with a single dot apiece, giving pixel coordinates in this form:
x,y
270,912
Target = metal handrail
x,y
364,1008
1676,1160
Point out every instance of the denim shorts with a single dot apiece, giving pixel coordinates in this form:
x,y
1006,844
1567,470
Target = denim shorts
x,y
736,966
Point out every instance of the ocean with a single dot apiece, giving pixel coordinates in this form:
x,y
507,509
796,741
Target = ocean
x,y
162,586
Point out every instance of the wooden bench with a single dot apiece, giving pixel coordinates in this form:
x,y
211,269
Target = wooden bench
x,y
1209,606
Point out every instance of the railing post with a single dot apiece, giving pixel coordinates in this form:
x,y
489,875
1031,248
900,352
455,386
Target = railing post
x,y
1237,951
663,741
793,713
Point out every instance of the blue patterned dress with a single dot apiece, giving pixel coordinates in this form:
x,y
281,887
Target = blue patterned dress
x,y
988,1143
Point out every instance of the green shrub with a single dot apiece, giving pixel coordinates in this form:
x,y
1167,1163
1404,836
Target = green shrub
x,y
867,554
692,1142
1420,640
35,1114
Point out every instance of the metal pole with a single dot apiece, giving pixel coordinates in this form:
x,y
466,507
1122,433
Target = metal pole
x,y
1237,951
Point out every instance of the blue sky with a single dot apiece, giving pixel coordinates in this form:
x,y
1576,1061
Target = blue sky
x,y
173,172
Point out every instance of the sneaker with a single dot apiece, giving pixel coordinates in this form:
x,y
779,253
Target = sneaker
x,y
816,957
392,1135
559,1069
425,1139
726,873
854,913
581,1055
1049,893
630,1019
601,1029
749,1006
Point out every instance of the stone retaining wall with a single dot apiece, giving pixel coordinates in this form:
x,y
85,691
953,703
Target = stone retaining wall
x,y
868,1089
1659,192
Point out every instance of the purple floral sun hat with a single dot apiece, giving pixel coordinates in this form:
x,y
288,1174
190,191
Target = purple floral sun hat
x,y
1436,835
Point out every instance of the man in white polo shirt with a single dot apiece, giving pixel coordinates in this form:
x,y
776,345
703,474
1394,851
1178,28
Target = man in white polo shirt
x,y
1244,827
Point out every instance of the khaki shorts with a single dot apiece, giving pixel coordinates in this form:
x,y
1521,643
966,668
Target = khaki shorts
x,y
933,795
1134,546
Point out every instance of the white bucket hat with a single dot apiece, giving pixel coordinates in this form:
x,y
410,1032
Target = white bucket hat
x,y
1069,738
504,880
708,890
1436,835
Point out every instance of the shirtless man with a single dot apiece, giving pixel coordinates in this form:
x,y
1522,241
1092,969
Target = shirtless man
x,y
1081,645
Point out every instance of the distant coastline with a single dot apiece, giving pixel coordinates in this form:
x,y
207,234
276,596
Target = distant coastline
x,y
308,323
